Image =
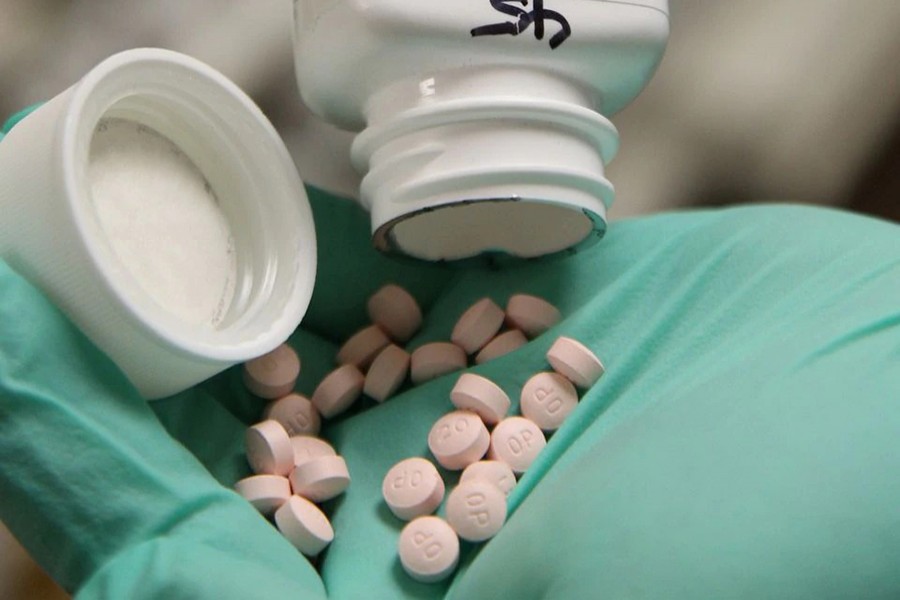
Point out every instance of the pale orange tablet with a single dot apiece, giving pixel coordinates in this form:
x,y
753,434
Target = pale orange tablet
x,y
387,373
272,375
362,348
547,399
575,361
429,549
304,525
396,311
307,447
265,492
321,479
480,395
477,325
296,414
495,472
517,442
506,342
338,391
269,449
435,359
476,510
530,314
458,439
413,488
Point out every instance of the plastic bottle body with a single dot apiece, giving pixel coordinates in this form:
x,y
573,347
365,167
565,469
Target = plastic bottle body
x,y
479,100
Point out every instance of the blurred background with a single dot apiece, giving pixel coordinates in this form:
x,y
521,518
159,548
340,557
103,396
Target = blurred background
x,y
756,100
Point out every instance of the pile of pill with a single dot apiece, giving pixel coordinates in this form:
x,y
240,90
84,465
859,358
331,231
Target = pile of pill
x,y
294,469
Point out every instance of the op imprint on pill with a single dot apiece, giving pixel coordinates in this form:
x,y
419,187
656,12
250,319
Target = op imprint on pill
x,y
517,441
362,347
530,314
265,492
476,510
396,311
274,374
387,373
429,549
547,399
458,439
481,396
477,325
575,361
430,361
338,390
413,488
269,449
495,472
304,525
296,414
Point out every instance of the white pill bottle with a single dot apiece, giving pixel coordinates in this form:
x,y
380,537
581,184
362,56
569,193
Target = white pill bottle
x,y
483,123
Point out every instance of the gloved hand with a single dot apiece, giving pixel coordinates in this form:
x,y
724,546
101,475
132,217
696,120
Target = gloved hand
x,y
743,443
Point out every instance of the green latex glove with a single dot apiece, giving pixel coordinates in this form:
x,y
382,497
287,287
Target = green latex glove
x,y
743,443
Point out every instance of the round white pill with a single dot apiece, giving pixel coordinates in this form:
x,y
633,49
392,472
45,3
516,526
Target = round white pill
x,y
435,359
481,396
274,374
476,510
429,549
265,492
458,439
506,342
296,414
387,373
396,311
413,488
269,449
307,447
477,325
304,525
575,361
338,391
532,315
320,479
547,399
362,347
495,472
517,442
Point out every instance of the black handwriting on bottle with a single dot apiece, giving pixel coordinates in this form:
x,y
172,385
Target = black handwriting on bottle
x,y
524,19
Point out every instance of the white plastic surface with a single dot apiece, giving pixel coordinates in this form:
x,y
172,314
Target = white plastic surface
x,y
52,234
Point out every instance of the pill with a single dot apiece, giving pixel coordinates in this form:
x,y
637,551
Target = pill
x,y
495,472
476,510
338,391
265,492
429,549
477,325
575,361
362,347
435,359
272,375
530,314
481,396
547,399
504,343
269,449
307,447
304,525
320,479
387,373
458,439
396,311
517,442
296,414
413,488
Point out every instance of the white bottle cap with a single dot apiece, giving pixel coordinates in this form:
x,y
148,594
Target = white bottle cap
x,y
51,231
